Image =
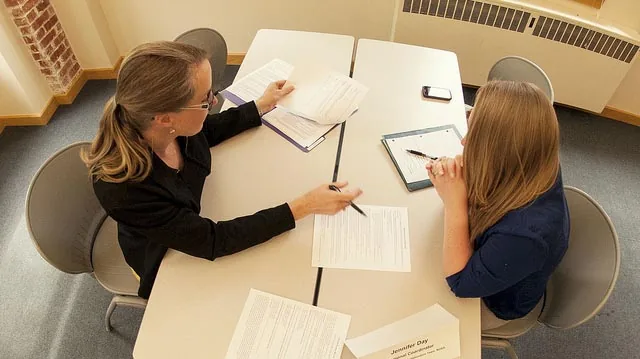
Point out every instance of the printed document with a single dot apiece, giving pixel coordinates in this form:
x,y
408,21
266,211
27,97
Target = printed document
x,y
379,241
252,86
299,130
323,95
272,327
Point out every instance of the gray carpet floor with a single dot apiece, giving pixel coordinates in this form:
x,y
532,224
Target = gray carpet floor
x,y
48,314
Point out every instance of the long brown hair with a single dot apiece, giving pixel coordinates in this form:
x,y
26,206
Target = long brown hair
x,y
154,78
511,151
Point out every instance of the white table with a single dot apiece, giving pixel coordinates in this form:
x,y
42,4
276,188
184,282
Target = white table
x,y
395,74
195,304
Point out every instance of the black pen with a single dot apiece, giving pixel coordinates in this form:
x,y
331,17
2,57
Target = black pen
x,y
418,153
334,188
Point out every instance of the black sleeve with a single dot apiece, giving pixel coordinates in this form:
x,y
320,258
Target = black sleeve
x,y
231,122
184,230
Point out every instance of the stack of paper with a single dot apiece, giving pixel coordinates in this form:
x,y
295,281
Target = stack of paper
x,y
304,134
272,327
432,333
252,86
323,95
322,99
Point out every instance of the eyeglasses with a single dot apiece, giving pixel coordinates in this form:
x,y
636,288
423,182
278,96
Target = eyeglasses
x,y
211,101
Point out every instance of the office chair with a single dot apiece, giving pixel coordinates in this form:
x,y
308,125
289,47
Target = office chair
x,y
515,68
213,43
71,230
584,279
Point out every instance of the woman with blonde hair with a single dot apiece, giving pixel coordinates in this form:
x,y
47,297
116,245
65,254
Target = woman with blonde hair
x,y
151,156
506,224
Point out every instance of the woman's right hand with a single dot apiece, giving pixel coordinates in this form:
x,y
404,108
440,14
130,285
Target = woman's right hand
x,y
323,200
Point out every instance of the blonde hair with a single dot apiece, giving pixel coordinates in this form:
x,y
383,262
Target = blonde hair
x,y
511,151
154,78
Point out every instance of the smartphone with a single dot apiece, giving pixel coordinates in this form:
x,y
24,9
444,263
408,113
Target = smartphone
x,y
436,92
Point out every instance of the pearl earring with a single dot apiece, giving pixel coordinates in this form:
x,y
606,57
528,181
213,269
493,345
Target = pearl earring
x,y
172,131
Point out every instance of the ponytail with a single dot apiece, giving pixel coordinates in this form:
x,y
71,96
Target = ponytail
x,y
155,78
118,153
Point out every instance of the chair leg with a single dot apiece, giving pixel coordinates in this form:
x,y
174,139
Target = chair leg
x,y
107,317
127,301
501,344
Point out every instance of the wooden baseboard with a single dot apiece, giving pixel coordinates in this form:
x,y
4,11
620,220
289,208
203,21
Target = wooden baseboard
x,y
621,115
74,90
32,120
235,59
106,73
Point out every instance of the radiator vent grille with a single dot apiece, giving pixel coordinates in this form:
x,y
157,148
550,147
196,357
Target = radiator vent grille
x,y
587,39
481,13
471,11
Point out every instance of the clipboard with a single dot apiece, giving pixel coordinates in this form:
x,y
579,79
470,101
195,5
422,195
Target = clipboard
x,y
293,142
238,101
413,186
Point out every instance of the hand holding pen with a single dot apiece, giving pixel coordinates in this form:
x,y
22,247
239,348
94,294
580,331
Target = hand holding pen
x,y
334,188
326,199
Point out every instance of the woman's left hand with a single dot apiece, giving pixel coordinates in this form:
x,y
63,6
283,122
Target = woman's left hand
x,y
447,177
274,93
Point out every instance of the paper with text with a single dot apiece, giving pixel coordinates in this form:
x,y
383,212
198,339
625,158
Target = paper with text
x,y
273,327
436,144
323,95
432,333
379,241
252,86
300,130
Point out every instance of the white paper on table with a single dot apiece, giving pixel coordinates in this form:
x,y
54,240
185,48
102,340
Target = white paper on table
x,y
273,327
436,144
323,95
252,86
379,241
300,130
432,333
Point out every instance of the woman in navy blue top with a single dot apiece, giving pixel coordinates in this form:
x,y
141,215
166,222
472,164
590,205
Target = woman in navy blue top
x,y
506,219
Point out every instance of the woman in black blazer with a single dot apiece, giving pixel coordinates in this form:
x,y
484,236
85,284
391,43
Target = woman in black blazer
x,y
151,156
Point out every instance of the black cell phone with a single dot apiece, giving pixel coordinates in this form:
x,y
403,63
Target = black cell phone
x,y
436,92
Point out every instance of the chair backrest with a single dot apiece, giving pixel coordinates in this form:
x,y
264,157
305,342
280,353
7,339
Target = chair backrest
x,y
585,278
213,43
63,214
514,68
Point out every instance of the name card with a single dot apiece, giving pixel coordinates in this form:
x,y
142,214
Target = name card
x,y
432,333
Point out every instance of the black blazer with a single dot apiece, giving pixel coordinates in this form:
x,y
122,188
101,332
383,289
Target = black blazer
x,y
163,210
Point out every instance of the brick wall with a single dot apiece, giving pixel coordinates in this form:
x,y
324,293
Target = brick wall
x,y
44,37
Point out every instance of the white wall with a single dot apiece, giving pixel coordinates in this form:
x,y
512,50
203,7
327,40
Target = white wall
x,y
623,12
23,90
139,21
84,23
100,22
100,31
627,96
12,96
